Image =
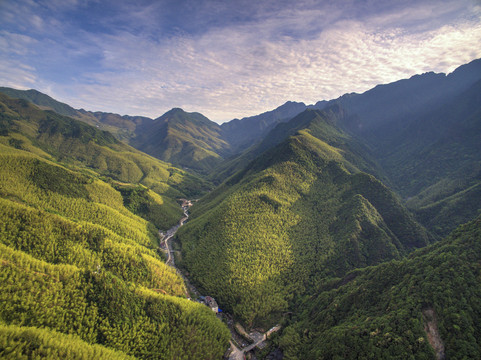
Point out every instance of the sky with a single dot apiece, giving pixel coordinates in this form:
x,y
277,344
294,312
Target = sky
x,y
226,58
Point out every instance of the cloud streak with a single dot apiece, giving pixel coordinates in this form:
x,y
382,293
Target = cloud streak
x,y
244,67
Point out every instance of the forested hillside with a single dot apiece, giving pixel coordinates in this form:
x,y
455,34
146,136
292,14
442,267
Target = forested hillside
x,y
316,223
122,127
70,141
424,133
424,307
79,238
186,139
299,214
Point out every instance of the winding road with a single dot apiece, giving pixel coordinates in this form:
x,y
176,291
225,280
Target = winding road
x,y
236,353
169,234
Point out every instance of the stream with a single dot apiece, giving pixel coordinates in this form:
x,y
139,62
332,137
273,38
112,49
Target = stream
x,y
236,353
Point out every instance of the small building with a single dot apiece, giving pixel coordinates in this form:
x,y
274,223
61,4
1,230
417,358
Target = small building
x,y
210,302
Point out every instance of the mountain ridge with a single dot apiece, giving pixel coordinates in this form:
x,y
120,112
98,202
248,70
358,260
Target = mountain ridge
x,y
276,200
326,221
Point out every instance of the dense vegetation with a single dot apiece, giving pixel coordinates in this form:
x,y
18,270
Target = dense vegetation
x,y
295,217
100,308
398,309
122,127
303,224
79,248
186,139
60,138
424,133
21,342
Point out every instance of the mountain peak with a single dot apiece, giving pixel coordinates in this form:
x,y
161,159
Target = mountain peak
x,y
176,110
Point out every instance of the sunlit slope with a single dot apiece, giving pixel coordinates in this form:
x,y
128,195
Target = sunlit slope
x,y
415,308
22,342
100,308
186,139
60,138
79,249
122,127
297,215
320,124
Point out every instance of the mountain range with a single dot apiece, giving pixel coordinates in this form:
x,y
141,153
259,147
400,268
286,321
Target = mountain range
x,y
337,214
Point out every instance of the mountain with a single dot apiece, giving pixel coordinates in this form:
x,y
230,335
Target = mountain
x,y
326,220
122,127
298,214
186,139
380,113
438,165
245,132
424,133
61,138
280,132
422,137
42,100
423,307
80,272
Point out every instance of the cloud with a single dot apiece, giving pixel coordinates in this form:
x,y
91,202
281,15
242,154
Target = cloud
x,y
254,63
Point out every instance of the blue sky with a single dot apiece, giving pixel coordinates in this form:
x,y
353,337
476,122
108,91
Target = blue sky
x,y
229,58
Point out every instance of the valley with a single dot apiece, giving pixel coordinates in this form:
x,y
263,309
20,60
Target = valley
x,y
235,353
350,226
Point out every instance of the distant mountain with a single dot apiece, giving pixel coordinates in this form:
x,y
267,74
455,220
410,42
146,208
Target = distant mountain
x,y
358,153
122,127
245,132
42,100
298,214
61,138
441,163
380,113
424,133
186,139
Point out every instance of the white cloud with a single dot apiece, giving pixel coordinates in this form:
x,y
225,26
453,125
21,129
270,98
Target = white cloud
x,y
245,69
17,75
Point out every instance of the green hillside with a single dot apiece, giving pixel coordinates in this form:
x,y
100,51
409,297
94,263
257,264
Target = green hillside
x,y
323,125
20,342
299,214
70,141
122,127
79,246
186,139
424,307
424,133
438,165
